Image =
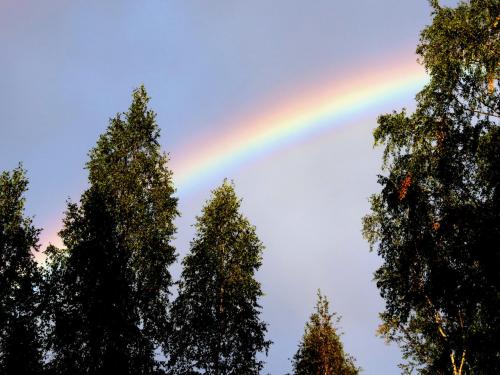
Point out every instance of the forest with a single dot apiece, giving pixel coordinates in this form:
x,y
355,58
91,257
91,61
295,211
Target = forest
x,y
107,303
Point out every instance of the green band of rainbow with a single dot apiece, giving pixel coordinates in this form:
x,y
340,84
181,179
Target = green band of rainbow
x,y
323,110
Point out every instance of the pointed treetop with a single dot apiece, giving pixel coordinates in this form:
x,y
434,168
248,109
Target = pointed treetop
x,y
321,351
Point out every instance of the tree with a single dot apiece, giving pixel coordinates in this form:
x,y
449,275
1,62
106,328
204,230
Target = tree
x,y
20,347
216,317
435,222
128,164
110,286
321,351
96,321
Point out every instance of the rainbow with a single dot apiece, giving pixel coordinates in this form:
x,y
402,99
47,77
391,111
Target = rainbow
x,y
337,104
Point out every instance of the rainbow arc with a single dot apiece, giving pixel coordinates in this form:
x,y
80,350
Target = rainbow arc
x,y
322,110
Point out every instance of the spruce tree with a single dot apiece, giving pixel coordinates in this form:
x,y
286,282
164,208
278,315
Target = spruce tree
x,y
128,164
20,346
96,323
436,222
110,285
217,327
321,351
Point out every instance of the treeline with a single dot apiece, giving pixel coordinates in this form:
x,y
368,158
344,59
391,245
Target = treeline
x,y
103,304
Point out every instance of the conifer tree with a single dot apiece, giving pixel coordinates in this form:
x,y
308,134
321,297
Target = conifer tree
x,y
127,163
436,221
321,351
217,327
20,346
110,286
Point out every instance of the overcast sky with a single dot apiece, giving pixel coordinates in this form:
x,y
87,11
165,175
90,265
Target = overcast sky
x,y
66,67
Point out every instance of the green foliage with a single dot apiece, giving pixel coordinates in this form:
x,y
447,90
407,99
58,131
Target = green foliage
x,y
96,325
20,349
108,290
321,351
216,316
128,165
436,222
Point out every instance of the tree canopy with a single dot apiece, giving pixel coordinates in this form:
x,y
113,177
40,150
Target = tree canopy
x,y
109,289
436,221
20,345
217,327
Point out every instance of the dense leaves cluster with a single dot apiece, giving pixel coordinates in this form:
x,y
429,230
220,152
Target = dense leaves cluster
x,y
20,350
436,222
216,317
109,288
321,352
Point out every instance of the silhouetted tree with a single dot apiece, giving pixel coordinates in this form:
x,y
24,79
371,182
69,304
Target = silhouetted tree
x,y
436,222
321,351
96,321
216,316
110,286
20,347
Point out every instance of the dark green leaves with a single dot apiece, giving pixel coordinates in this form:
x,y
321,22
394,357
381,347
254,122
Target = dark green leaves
x,y
216,317
20,346
112,283
321,351
435,222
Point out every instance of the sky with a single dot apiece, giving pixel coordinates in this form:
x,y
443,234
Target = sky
x,y
280,96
